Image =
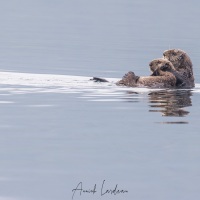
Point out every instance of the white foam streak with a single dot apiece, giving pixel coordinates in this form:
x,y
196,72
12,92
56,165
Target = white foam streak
x,y
22,83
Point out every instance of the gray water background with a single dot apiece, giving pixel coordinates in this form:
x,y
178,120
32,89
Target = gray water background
x,y
49,142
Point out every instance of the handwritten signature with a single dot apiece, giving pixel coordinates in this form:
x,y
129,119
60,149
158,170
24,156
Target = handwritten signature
x,y
115,191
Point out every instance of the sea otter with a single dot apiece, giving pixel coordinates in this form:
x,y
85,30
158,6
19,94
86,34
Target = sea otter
x,y
159,66
182,64
164,76
181,68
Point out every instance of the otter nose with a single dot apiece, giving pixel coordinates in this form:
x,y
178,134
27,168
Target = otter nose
x,y
164,55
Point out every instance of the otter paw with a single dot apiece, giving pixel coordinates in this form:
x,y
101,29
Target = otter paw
x,y
128,79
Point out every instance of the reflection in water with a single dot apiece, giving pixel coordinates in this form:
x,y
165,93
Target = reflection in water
x,y
170,102
131,97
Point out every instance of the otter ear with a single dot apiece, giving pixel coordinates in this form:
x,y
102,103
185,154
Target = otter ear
x,y
164,67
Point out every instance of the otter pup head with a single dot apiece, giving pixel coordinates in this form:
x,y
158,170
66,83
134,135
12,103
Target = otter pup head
x,y
179,58
163,67
161,64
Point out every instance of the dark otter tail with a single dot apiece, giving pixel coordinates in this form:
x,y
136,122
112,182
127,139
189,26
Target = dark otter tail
x,y
96,79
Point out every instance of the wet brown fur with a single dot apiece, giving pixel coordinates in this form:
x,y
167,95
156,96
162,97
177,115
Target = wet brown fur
x,y
162,76
183,65
179,72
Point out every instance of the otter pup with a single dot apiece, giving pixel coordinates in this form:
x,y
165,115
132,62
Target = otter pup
x,y
182,64
164,76
157,66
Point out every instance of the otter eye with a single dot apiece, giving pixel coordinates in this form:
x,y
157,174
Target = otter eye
x,y
164,67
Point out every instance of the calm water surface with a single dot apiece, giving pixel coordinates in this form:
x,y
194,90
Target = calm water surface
x,y
58,128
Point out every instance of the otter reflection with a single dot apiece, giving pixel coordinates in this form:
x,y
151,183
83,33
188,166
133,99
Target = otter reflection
x,y
170,102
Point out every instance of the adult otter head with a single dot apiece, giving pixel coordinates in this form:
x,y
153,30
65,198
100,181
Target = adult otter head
x,y
178,58
182,64
163,67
